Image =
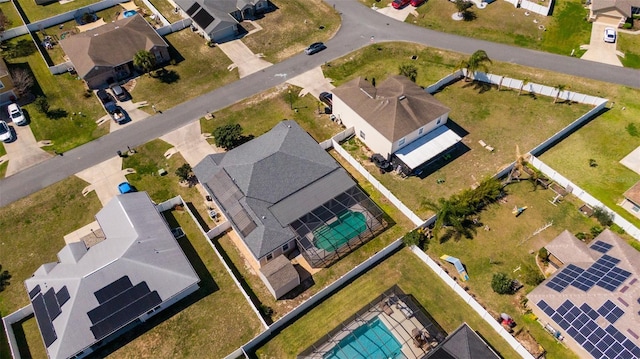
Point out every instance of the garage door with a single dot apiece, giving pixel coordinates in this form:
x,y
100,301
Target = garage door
x,y
609,20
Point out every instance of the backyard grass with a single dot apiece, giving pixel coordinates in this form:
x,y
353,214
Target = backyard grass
x,y
13,18
165,8
271,107
198,69
34,12
292,27
413,277
398,226
67,98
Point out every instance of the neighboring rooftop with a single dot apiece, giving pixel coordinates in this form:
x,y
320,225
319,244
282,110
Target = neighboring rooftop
x,y
395,108
91,293
211,14
270,181
596,302
623,6
463,343
569,249
633,193
110,45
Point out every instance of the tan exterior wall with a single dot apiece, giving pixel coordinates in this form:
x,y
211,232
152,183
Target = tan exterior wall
x,y
372,138
7,82
416,134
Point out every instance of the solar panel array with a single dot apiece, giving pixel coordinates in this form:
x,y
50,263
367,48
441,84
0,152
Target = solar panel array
x,y
120,303
46,308
603,273
601,246
580,323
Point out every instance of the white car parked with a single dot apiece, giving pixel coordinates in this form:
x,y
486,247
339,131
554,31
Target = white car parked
x,y
16,115
5,132
609,35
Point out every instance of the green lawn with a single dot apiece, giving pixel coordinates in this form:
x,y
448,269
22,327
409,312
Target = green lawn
x,y
292,27
66,95
199,69
34,12
13,18
413,277
165,8
629,45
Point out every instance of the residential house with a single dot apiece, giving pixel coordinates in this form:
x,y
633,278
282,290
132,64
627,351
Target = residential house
x,y
217,20
6,84
93,295
463,343
591,303
105,54
283,195
613,12
397,119
631,201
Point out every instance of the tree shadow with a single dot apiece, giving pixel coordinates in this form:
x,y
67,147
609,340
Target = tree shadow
x,y
41,48
20,48
175,56
166,76
482,86
57,113
441,160
468,15
21,338
36,89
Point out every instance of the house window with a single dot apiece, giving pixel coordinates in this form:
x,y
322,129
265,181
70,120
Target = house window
x,y
362,134
401,142
285,247
1,85
635,208
269,256
421,130
439,120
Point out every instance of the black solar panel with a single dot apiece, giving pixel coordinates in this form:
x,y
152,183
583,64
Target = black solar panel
x,y
601,246
126,315
44,323
34,291
63,296
202,18
120,301
51,303
111,290
193,8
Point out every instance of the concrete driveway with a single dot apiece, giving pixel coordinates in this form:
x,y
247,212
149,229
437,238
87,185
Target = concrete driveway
x,y
133,112
601,51
24,151
104,178
190,142
243,58
398,14
312,82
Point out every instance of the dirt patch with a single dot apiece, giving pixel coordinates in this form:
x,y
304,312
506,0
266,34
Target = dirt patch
x,y
529,343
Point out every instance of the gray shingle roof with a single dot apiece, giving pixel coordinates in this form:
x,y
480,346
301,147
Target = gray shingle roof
x,y
110,45
217,9
280,272
567,248
395,108
463,343
282,175
138,244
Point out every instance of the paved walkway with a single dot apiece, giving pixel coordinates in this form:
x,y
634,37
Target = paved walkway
x,y
632,161
190,142
397,14
104,178
598,50
312,81
24,151
243,58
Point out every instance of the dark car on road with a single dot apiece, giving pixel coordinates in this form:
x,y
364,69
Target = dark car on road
x,y
381,162
315,47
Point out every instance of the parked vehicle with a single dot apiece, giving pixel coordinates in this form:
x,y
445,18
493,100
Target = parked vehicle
x,y
327,98
105,97
5,132
399,4
119,92
381,162
116,113
16,114
315,47
125,187
609,34
416,3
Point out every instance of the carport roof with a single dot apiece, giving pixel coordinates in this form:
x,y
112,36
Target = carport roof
x,y
427,147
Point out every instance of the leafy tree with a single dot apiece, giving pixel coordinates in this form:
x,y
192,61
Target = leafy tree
x,y
4,22
603,216
501,283
4,278
531,274
228,136
450,212
462,6
409,71
543,254
22,81
42,104
417,237
477,61
184,172
559,88
144,60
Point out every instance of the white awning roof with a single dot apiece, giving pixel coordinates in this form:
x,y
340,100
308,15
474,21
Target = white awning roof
x,y
427,147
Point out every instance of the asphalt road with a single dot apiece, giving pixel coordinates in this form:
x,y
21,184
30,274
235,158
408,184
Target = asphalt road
x,y
360,27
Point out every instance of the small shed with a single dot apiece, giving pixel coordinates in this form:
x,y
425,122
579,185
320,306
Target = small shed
x,y
280,276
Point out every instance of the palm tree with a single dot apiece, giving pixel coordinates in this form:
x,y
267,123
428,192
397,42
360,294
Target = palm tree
x,y
525,81
462,6
452,213
477,61
144,60
559,88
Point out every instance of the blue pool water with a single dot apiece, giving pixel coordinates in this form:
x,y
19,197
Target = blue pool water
x,y
129,13
369,341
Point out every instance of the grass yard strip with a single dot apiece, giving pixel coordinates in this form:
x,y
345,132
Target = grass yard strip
x,y
413,277
271,107
629,45
168,11
34,12
67,97
198,69
13,18
292,27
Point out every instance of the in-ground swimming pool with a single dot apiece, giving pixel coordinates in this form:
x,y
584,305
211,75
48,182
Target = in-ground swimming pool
x,y
372,340
129,13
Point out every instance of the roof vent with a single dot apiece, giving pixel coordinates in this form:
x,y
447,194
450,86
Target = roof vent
x,y
401,97
264,217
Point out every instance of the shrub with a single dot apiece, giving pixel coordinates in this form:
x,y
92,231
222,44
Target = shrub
x,y
501,283
632,130
596,230
409,71
42,104
417,237
604,217
531,275
616,228
544,255
582,236
626,25
228,136
184,172
592,163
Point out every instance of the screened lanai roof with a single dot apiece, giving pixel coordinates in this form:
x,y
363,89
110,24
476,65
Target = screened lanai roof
x,y
427,147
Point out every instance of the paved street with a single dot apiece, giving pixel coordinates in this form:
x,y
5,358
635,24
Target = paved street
x,y
359,25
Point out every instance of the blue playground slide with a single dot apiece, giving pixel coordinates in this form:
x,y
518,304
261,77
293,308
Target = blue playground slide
x,y
456,262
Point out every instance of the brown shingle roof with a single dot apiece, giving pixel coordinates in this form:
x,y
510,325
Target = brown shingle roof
x,y
395,108
623,6
567,248
633,193
110,45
